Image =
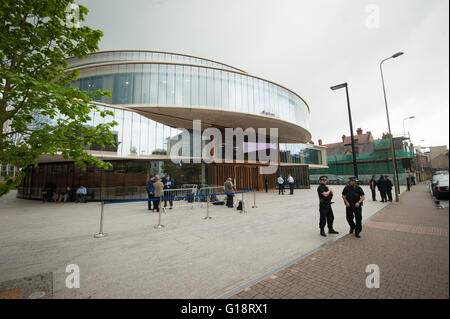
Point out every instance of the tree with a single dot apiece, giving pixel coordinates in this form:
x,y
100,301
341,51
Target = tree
x,y
39,112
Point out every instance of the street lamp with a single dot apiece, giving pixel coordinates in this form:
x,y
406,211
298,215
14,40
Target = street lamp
x,y
337,87
407,118
394,164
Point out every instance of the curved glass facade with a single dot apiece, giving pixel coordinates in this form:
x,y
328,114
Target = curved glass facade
x,y
163,84
128,56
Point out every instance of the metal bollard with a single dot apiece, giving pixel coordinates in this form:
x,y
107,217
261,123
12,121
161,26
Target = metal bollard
x,y
101,234
243,205
207,207
159,226
254,199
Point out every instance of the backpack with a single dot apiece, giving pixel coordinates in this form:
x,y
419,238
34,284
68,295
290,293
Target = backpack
x,y
239,207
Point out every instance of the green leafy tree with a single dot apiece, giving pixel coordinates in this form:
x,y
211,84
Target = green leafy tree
x,y
39,112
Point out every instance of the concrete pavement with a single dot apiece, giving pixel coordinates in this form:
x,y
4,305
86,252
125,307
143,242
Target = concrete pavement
x,y
408,241
189,258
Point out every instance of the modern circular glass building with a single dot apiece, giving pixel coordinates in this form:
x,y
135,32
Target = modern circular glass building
x,y
156,93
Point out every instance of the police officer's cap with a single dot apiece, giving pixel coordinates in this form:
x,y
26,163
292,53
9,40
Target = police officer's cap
x,y
323,178
353,178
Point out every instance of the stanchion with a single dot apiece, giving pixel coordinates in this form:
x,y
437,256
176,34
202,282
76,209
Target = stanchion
x,y
159,226
207,206
243,211
101,234
254,199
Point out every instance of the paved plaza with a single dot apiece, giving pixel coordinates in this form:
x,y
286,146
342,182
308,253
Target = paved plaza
x,y
189,258
408,241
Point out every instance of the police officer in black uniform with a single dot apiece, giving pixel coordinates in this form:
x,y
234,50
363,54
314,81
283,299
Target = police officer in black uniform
x,y
353,196
326,212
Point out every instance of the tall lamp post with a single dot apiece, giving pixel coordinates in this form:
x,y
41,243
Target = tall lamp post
x,y
394,160
340,86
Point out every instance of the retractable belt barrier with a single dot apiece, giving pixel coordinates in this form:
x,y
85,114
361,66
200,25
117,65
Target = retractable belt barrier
x,y
185,197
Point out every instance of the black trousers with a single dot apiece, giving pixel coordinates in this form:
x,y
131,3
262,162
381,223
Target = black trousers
x,y
156,204
373,194
230,200
389,194
326,216
150,196
280,189
291,188
383,195
354,218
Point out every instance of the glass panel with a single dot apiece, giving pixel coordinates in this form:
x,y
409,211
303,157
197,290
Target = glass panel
x,y
217,89
225,102
170,84
202,87
136,132
137,86
151,136
162,94
232,91
194,86
251,105
186,85
146,84
179,89
154,84
238,84
244,94
127,133
209,87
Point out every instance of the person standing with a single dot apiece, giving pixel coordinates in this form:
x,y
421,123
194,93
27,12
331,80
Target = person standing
x,y
280,182
229,190
266,184
353,197
291,184
150,192
389,185
381,184
373,187
168,184
159,190
326,212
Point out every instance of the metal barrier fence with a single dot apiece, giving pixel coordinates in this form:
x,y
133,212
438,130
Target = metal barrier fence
x,y
183,198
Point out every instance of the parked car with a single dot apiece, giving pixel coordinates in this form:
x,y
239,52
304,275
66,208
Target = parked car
x,y
441,187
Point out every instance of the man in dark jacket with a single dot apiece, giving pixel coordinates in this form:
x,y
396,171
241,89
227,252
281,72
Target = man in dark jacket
x,y
388,184
325,210
382,188
168,184
353,197
229,190
373,185
150,191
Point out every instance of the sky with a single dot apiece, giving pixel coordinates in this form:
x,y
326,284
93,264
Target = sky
x,y
309,46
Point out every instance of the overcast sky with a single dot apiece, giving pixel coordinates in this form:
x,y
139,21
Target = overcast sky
x,y
309,46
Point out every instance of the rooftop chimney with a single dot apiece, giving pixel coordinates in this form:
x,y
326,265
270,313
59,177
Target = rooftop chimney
x,y
359,131
320,141
343,138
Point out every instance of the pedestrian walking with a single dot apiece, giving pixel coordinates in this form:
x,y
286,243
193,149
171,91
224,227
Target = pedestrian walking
x,y
373,187
326,212
280,182
353,196
229,190
381,184
291,184
150,191
159,190
388,188
168,184
266,184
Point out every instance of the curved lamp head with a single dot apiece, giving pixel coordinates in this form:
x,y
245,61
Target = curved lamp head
x,y
397,54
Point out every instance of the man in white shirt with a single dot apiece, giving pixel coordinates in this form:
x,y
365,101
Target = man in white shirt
x,y
280,182
291,184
